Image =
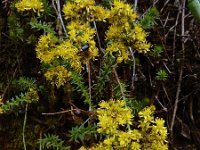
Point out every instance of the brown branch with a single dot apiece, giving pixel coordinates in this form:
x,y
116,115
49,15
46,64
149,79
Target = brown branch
x,y
182,66
174,37
66,111
7,87
60,112
59,15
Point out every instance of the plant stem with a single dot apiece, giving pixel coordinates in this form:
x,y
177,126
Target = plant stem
x,y
133,75
24,126
90,84
135,5
121,89
59,15
98,38
181,71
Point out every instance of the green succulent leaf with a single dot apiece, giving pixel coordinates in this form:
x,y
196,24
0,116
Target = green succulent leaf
x,y
194,7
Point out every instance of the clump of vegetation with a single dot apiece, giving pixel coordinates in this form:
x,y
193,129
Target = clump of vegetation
x,y
92,54
116,125
52,141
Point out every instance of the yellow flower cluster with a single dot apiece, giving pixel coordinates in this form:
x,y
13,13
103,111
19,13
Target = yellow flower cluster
x,y
35,5
138,38
121,13
115,122
69,52
81,33
80,13
1,110
46,48
32,95
1,103
112,115
153,130
84,10
147,117
49,48
120,48
58,76
123,34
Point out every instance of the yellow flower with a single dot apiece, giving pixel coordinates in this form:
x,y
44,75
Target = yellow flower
x,y
69,52
114,32
104,104
35,5
1,103
159,130
146,117
1,110
107,125
157,145
1,100
50,48
121,13
142,47
97,13
81,33
120,48
84,10
124,138
32,95
45,48
147,111
82,148
112,115
109,141
138,38
57,76
99,146
135,146
70,10
136,135
159,123
84,3
137,29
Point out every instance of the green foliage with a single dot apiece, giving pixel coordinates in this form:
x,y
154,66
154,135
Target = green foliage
x,y
16,31
47,28
52,141
48,10
81,133
156,52
161,75
137,105
77,81
120,91
106,3
66,51
20,100
148,20
104,77
194,7
24,83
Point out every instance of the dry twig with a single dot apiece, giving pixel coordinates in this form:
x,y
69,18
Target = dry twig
x,y
181,70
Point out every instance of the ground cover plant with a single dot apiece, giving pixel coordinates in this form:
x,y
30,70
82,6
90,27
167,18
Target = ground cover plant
x,y
104,74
